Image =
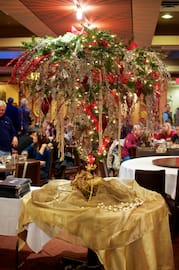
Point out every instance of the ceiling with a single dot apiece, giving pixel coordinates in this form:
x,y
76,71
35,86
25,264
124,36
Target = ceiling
x,y
136,19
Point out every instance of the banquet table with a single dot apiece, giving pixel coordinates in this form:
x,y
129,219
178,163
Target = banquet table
x,y
127,171
11,167
150,151
10,209
118,237
7,168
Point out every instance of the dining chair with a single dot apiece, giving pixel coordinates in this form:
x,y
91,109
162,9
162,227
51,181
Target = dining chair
x,y
101,169
29,169
70,172
50,173
132,151
174,209
153,180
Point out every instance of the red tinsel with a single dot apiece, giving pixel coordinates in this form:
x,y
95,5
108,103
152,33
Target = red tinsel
x,y
105,143
20,61
33,65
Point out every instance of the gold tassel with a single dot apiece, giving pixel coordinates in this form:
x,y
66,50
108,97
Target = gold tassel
x,y
100,111
119,128
62,115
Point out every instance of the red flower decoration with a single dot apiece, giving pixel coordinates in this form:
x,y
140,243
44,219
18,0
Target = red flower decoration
x,y
104,43
154,75
90,159
111,78
123,78
133,45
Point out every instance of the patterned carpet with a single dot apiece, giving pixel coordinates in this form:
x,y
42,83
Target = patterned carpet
x,y
48,259
51,256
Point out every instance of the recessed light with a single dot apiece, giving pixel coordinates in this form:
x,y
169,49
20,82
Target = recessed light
x,y
167,16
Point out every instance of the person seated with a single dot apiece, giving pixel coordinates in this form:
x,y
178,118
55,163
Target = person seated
x,y
126,128
60,166
40,150
68,135
175,137
26,139
133,139
166,132
49,131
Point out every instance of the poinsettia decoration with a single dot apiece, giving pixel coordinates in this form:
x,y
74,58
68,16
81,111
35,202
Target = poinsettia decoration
x,y
94,71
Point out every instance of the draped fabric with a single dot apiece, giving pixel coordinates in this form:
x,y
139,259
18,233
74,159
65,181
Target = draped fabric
x,y
126,225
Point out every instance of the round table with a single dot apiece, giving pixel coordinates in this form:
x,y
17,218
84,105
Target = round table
x,y
128,167
171,162
7,168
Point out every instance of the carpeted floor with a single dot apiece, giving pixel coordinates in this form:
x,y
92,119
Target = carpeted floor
x,y
50,257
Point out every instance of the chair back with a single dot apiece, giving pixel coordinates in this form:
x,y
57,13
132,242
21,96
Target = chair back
x,y
132,151
101,169
177,189
153,180
29,169
174,210
50,173
69,173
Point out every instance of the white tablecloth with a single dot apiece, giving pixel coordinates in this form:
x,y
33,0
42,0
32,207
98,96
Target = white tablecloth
x,y
9,216
36,238
127,171
10,209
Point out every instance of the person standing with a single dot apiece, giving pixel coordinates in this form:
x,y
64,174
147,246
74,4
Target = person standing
x,y
167,114
8,135
177,117
25,116
13,113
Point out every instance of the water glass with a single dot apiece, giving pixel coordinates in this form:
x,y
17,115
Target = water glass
x,y
24,154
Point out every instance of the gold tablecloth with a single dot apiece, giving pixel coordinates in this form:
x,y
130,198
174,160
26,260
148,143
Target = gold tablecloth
x,y
127,226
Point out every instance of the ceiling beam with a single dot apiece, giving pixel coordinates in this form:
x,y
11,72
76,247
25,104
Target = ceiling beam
x,y
145,17
24,16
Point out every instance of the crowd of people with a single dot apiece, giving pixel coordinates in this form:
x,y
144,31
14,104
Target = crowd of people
x,y
17,133
137,135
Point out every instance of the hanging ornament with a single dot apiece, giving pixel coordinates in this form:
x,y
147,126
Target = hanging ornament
x,y
129,100
45,106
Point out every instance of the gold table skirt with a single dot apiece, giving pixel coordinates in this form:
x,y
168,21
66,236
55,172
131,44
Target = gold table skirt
x,y
124,234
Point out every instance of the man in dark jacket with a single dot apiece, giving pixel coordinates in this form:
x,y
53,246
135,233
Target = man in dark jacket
x,y
8,135
25,116
13,113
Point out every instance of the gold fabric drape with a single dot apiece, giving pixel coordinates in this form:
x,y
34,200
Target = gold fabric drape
x,y
127,226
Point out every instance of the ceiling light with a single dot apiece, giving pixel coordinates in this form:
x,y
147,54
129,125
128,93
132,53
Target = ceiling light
x,y
79,13
167,16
